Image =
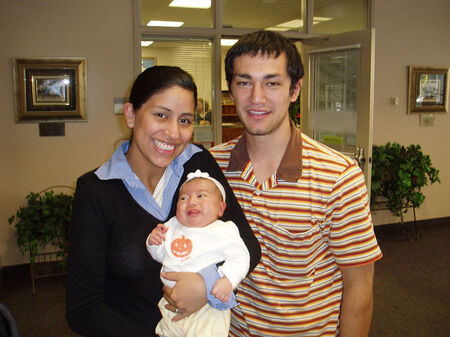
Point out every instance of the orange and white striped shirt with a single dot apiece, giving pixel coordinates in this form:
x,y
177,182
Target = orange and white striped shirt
x,y
310,217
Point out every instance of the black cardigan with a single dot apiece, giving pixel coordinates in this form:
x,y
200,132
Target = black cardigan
x,y
113,284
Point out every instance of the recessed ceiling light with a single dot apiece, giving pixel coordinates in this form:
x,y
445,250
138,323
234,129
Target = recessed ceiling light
x,y
228,42
146,43
297,23
277,29
318,19
156,23
191,3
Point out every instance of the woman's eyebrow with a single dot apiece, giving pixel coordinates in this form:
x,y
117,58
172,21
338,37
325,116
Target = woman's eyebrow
x,y
187,114
161,107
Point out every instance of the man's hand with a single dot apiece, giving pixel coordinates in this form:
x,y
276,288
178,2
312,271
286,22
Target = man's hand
x,y
222,289
188,295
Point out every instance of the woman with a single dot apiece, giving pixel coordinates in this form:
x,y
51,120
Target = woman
x,y
113,284
202,112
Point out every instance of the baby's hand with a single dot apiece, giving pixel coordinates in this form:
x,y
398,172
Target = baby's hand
x,y
222,289
157,236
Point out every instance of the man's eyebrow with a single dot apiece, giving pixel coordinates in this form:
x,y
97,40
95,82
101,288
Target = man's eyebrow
x,y
267,76
242,75
272,75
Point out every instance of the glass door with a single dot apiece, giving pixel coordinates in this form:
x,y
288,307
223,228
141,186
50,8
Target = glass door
x,y
337,95
195,56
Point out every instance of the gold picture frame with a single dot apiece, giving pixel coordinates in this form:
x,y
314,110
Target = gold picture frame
x,y
50,89
428,89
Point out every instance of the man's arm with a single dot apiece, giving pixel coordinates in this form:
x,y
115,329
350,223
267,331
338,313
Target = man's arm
x,y
357,300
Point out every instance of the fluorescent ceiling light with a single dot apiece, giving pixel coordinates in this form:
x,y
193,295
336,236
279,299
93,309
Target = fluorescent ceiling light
x,y
228,42
318,19
191,3
146,43
156,23
277,29
297,23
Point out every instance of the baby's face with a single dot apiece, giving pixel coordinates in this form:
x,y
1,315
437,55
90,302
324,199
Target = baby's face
x,y
200,203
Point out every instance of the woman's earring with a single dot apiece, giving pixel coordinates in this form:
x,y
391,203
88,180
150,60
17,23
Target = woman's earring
x,y
131,124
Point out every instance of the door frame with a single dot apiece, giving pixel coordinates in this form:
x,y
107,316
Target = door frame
x,y
365,39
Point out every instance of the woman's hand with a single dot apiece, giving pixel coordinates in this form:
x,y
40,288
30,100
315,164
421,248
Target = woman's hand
x,y
187,296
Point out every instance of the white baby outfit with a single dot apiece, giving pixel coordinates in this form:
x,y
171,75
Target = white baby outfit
x,y
190,249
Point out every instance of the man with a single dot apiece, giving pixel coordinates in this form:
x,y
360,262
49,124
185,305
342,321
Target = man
x,y
306,203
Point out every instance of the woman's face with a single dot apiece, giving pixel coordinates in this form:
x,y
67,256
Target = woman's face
x,y
162,127
199,107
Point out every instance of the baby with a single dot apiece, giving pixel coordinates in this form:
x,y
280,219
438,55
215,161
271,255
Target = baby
x,y
196,239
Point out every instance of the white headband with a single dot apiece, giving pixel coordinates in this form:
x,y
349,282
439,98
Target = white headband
x,y
205,175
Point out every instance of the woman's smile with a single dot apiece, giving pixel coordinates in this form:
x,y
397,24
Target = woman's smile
x,y
163,146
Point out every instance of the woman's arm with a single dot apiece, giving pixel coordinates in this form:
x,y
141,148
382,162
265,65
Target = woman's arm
x,y
86,310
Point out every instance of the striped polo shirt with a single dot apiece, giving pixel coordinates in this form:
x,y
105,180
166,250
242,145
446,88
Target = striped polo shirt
x,y
310,217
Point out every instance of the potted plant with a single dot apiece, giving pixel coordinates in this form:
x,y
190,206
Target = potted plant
x,y
44,220
398,175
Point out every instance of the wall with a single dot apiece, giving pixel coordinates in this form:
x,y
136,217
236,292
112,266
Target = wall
x,y
412,32
101,31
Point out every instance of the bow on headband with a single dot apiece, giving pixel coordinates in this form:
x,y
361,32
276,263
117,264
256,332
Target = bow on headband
x,y
205,175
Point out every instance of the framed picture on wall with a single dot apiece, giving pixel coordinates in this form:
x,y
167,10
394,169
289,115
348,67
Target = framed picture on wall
x,y
428,89
148,62
50,89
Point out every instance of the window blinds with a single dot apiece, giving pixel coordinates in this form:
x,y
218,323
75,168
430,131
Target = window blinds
x,y
334,97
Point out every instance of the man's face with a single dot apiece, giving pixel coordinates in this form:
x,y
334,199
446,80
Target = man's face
x,y
261,92
200,203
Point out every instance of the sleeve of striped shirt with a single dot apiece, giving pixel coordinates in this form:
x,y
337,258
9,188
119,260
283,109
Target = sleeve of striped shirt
x,y
352,239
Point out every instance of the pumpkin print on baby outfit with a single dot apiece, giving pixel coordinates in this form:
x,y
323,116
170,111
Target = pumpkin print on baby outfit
x,y
181,247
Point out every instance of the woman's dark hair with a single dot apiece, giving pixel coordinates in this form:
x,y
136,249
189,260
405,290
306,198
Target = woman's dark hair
x,y
157,78
266,43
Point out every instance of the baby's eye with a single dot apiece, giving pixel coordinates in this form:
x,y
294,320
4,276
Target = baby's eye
x,y
201,195
183,197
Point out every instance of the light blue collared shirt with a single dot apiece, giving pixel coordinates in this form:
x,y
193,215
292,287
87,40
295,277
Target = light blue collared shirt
x,y
118,168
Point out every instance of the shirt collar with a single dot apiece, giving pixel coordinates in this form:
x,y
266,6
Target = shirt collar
x,y
119,168
290,168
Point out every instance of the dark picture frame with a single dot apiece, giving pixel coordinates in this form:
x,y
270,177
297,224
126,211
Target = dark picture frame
x,y
50,89
428,89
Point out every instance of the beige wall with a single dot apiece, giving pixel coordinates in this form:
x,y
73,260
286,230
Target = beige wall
x,y
407,32
101,31
412,32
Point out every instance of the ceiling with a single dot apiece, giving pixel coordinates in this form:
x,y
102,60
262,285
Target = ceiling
x,y
247,13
